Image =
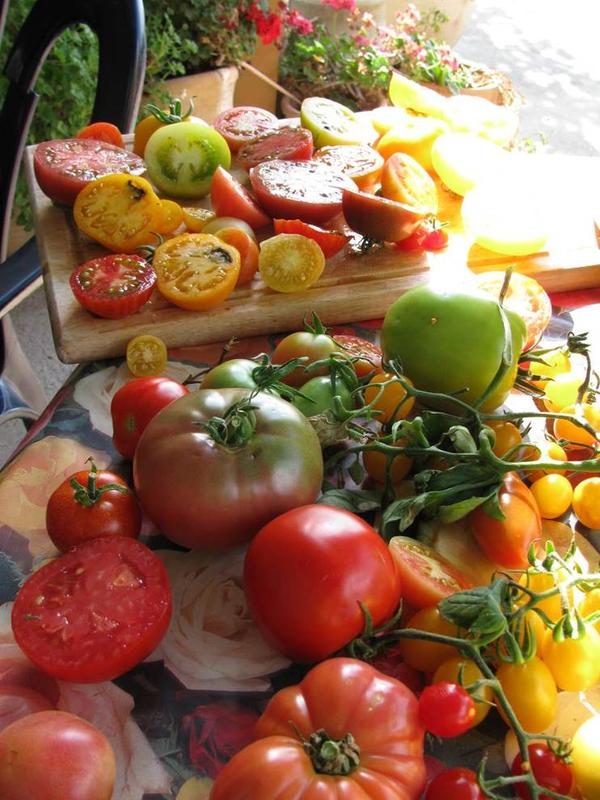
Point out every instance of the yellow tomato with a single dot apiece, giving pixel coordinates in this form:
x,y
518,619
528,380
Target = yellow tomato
x,y
171,216
556,362
413,136
562,390
376,464
586,502
462,160
553,494
540,582
384,118
146,355
507,436
531,691
196,218
289,262
544,450
585,758
451,669
574,663
427,656
590,604
389,397
576,436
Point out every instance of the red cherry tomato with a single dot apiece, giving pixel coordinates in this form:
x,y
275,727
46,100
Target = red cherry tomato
x,y
113,286
291,144
64,166
365,354
457,783
549,770
311,560
102,132
241,124
330,242
436,239
91,504
135,404
94,613
446,709
230,199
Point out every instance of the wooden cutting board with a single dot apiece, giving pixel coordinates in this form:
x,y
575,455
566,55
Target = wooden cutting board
x,y
354,286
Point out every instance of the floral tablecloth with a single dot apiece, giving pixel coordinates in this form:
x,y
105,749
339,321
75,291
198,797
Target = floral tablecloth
x,y
175,719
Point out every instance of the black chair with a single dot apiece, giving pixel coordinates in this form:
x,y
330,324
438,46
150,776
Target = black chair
x,y
119,26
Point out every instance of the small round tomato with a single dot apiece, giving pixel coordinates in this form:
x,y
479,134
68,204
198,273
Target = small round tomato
x,y
291,144
553,495
553,363
196,218
426,577
574,663
330,242
531,690
549,771
308,561
234,373
385,394
542,450
507,436
574,435
171,216
146,355
467,671
313,344
91,504
376,465
289,262
590,604
507,541
230,199
113,286
585,755
102,132
241,124
427,656
446,709
379,218
561,391
54,755
135,404
319,393
365,355
94,613
457,783
413,136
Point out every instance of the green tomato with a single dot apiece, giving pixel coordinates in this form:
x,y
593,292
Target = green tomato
x,y
452,342
331,123
233,374
321,391
182,158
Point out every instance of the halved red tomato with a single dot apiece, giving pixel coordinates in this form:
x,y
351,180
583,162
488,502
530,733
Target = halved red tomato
x,y
241,124
330,242
358,161
64,166
378,218
113,286
306,190
95,612
291,144
230,199
367,354
425,577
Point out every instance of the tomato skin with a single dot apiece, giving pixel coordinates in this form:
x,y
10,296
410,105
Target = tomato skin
x,y
506,542
102,132
468,672
303,344
235,373
359,161
507,436
427,656
241,124
248,250
54,755
114,286
341,696
376,466
367,354
379,218
70,522
330,242
291,144
312,559
446,709
390,399
405,181
230,199
457,783
64,166
549,770
586,502
531,691
186,483
94,613
321,390
135,404
574,663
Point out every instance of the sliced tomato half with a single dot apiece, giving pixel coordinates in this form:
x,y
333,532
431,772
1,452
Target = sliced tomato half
x,y
379,218
230,199
241,124
330,242
292,144
425,577
359,161
113,286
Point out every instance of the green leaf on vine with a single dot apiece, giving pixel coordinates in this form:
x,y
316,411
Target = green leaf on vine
x,y
357,500
479,610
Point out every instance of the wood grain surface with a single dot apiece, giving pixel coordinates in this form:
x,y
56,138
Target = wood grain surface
x,y
353,286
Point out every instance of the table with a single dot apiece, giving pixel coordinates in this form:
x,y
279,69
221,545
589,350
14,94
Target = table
x,y
173,717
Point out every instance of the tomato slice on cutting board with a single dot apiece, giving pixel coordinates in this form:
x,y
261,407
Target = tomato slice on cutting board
x,y
425,576
292,144
95,612
230,199
330,242
240,124
113,286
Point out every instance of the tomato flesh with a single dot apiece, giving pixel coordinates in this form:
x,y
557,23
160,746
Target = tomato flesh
x,y
230,199
330,242
241,124
94,613
379,218
359,161
291,144
113,287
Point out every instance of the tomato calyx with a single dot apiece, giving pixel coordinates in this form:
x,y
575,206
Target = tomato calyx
x,y
174,114
236,427
90,494
332,756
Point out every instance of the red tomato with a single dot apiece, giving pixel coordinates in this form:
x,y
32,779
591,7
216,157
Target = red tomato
x,y
64,166
367,354
446,709
457,783
436,239
549,770
306,190
358,161
135,404
230,199
426,577
113,286
102,132
525,296
91,504
371,716
378,218
94,613
240,124
291,144
330,242
507,541
53,755
19,701
311,560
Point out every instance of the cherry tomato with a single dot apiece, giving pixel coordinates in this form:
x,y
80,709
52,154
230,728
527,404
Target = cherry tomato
x,y
457,783
102,132
554,363
89,504
230,199
113,286
146,355
358,161
553,495
507,436
330,242
531,691
94,613
436,239
376,465
549,770
507,541
289,262
586,756
426,577
574,663
241,124
171,216
196,217
308,561
306,190
311,345
54,755
562,390
588,411
590,604
446,709
290,144
135,404
428,235
379,218
246,246
365,355
469,673
156,118
427,656
387,395
405,181
320,392
64,166
542,450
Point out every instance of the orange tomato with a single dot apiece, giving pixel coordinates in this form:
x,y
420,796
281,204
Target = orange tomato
x,y
405,181
389,397
564,429
507,436
248,250
415,137
376,463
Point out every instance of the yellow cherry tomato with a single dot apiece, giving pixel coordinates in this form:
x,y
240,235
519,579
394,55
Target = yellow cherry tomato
x,y
451,669
414,136
576,436
120,212
289,262
553,494
574,663
389,397
590,604
171,216
427,656
507,436
543,450
146,355
585,758
375,463
586,502
196,271
556,362
539,581
562,390
531,691
196,218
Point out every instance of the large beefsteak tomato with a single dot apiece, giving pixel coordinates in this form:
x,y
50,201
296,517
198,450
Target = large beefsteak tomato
x,y
214,467
373,721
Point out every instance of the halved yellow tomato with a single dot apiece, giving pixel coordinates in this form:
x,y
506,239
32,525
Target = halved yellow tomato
x,y
146,355
404,180
290,262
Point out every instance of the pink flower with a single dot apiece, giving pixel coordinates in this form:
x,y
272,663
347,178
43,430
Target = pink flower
x,y
216,733
339,5
298,22
361,40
